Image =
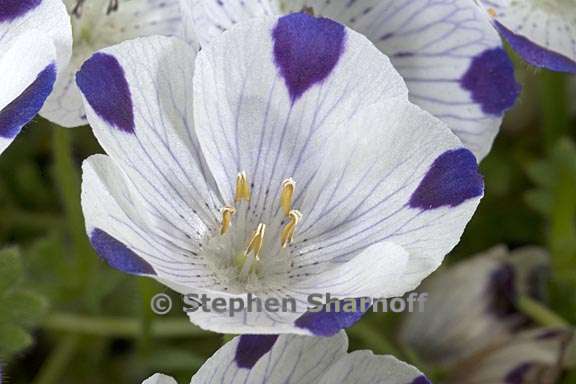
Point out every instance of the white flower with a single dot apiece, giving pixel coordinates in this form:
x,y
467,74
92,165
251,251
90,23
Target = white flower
x,y
97,24
298,359
473,304
447,51
35,43
543,32
283,160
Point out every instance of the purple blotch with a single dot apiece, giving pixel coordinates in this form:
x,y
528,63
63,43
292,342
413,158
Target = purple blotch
x,y
118,255
306,50
12,9
102,81
251,348
535,54
421,380
516,376
490,80
23,109
452,179
329,321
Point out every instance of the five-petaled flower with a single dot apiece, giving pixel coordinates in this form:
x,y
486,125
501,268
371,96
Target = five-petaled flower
x,y
298,359
35,44
447,51
98,24
284,159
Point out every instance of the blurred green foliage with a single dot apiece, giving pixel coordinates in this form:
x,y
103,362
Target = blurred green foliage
x,y
98,327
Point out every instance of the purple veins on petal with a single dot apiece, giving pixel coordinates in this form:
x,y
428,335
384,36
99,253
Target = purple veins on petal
x,y
12,9
452,179
118,255
252,347
306,50
491,82
23,109
103,83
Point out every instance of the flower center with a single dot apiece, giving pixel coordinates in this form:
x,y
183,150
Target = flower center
x,y
248,255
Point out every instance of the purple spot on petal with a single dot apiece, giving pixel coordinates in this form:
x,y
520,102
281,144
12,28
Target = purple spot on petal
x,y
535,54
306,50
421,380
516,376
118,255
502,292
329,320
452,179
23,109
12,9
102,81
490,80
251,348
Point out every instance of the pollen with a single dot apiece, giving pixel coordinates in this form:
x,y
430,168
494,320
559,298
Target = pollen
x,y
242,188
286,195
256,242
492,12
227,213
287,236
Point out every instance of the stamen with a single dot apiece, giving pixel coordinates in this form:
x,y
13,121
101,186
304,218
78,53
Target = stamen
x,y
256,242
242,188
286,195
227,213
288,232
492,12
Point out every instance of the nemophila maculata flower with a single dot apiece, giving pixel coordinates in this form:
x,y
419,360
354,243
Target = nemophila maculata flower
x,y
291,359
282,160
35,43
97,24
543,32
447,51
473,329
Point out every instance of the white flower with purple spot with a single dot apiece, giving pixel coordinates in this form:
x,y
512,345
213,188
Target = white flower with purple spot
x,y
291,359
35,43
283,160
97,24
543,32
447,51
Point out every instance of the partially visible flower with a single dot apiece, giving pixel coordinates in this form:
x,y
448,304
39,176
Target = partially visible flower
x,y
533,356
473,330
298,360
473,304
447,51
35,43
543,32
285,160
97,24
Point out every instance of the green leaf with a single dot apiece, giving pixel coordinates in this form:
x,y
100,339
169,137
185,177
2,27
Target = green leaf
x,y
10,268
13,339
23,307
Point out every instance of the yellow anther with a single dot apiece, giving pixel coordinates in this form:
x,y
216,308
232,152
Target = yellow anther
x,y
242,188
492,12
227,213
256,242
288,232
286,195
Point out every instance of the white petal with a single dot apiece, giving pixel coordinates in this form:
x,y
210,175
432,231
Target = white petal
x,y
402,179
448,53
97,28
206,19
363,367
159,378
265,105
138,99
471,306
301,360
27,75
542,32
